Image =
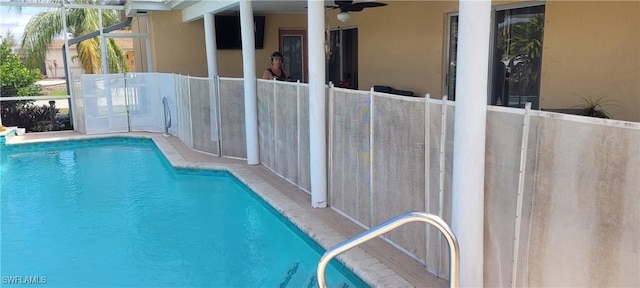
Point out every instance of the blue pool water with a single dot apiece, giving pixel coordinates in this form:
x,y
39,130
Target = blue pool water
x,y
113,213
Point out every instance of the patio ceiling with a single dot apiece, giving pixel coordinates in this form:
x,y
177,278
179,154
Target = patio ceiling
x,y
193,9
106,4
141,6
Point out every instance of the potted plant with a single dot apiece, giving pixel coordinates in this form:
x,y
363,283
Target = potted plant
x,y
594,107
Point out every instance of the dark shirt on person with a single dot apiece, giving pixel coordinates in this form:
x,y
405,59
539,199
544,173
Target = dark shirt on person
x,y
281,77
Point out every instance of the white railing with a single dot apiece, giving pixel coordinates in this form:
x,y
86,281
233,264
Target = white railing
x,y
454,250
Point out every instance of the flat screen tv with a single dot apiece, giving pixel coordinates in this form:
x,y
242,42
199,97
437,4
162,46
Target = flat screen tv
x,y
228,33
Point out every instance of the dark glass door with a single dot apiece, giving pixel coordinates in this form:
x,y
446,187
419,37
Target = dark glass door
x,y
517,57
342,62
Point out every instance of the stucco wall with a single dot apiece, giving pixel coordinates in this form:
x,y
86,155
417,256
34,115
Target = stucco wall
x,y
230,61
402,45
592,49
177,47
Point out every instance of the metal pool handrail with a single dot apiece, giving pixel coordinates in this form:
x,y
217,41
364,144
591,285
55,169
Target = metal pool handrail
x,y
167,115
454,254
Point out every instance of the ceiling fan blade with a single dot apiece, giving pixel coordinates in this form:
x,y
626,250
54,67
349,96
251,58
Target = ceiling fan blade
x,y
326,7
343,2
362,5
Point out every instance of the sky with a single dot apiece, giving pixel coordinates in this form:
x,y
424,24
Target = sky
x,y
10,20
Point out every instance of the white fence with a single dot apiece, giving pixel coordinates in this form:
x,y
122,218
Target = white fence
x,y
120,102
561,191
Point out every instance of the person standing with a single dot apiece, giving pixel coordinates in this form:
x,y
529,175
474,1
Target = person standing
x,y
275,72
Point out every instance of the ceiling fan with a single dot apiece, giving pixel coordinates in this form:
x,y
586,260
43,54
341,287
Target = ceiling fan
x,y
349,6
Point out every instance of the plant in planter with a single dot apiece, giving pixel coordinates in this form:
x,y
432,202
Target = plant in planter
x,y
594,107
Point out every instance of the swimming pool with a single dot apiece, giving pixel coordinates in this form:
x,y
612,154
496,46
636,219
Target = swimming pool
x,y
113,212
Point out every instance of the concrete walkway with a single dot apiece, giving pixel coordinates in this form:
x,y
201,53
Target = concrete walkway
x,y
50,82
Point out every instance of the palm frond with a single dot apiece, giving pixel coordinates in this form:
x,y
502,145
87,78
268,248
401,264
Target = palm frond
x,y
42,29
89,55
116,57
38,35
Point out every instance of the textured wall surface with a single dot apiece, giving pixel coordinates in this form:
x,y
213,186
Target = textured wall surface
x,y
350,179
585,218
283,129
232,127
201,115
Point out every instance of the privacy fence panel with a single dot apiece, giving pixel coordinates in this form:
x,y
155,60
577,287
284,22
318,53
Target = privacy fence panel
x,y
447,193
286,131
183,104
266,122
144,102
304,167
199,89
585,219
522,238
232,128
78,105
105,103
502,166
350,155
283,125
439,165
432,158
398,166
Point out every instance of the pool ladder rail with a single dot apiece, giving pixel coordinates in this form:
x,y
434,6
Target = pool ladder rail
x,y
167,116
454,254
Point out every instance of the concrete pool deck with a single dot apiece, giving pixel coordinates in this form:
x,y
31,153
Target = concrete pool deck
x,y
377,262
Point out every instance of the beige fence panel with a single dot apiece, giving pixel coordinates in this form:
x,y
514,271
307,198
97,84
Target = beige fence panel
x,y
350,155
585,219
286,131
522,238
283,124
183,107
304,168
232,124
502,170
438,178
78,105
266,135
199,89
398,166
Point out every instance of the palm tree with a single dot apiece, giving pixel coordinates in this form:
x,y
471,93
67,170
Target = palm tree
x,y
41,30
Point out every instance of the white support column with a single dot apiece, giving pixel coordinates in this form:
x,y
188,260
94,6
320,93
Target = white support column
x,y
249,74
103,46
210,44
469,138
67,76
317,132
212,70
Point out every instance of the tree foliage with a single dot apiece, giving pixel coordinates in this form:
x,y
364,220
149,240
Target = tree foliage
x,y
42,28
15,78
18,80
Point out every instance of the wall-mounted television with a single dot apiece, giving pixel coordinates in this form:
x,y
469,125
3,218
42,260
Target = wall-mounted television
x,y
228,33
